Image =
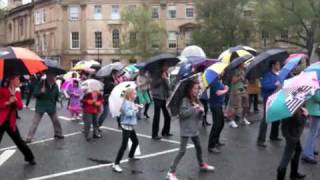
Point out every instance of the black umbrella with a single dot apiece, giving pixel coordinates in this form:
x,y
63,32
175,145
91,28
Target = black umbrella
x,y
53,67
260,64
229,71
153,64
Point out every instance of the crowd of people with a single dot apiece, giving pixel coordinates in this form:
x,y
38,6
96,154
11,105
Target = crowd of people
x,y
93,105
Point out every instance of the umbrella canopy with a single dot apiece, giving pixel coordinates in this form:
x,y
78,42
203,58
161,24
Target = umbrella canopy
x,y
86,64
290,64
53,67
212,73
19,61
153,64
314,67
91,85
116,97
229,71
260,64
294,93
68,75
234,52
68,83
193,51
185,70
107,69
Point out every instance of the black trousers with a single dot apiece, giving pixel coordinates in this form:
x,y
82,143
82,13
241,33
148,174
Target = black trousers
x,y
253,99
160,105
126,134
205,106
292,152
29,96
15,136
217,126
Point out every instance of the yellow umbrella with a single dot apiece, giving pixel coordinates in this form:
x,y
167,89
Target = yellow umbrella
x,y
234,52
212,73
82,65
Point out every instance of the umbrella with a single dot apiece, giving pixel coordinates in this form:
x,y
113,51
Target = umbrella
x,y
53,67
68,75
153,64
185,70
91,85
193,51
201,66
106,70
314,67
229,71
68,82
294,93
19,61
238,51
260,64
131,71
86,64
178,93
116,97
290,64
212,73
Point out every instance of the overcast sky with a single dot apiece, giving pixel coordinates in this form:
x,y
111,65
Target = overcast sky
x,y
5,2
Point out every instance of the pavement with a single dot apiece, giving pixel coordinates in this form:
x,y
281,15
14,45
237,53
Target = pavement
x,y
76,159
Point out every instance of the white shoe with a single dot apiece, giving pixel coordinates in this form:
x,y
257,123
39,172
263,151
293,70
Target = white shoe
x,y
233,124
245,121
171,176
206,167
117,168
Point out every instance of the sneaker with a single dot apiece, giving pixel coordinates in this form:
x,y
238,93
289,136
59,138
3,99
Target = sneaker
x,y
58,136
171,176
134,158
245,121
116,168
214,150
233,124
206,167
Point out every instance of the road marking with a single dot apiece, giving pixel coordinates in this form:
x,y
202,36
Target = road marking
x,y
6,155
105,165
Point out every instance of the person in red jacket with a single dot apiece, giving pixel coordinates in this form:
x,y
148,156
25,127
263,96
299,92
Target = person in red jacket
x,y
10,102
91,102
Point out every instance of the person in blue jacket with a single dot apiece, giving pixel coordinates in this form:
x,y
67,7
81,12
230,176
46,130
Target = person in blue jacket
x,y
269,84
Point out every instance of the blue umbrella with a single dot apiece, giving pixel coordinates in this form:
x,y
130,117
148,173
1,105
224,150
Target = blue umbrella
x,y
287,68
185,70
314,67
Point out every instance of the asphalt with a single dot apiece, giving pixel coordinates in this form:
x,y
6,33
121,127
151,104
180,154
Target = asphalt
x,y
76,159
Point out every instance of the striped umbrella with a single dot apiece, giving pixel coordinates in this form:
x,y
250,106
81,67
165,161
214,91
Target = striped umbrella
x,y
291,96
211,74
19,61
238,51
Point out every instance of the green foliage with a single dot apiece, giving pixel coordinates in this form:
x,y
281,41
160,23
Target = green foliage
x,y
222,24
140,33
301,18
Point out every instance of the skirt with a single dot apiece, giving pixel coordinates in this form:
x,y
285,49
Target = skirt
x,y
143,97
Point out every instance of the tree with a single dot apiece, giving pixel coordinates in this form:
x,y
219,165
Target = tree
x,y
222,24
300,18
141,35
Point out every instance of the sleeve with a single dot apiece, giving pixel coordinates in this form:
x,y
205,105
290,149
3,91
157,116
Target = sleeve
x,y
3,100
268,83
19,102
37,89
316,97
127,110
186,110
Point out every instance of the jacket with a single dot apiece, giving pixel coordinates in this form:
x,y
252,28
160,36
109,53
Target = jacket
x,y
90,105
46,102
190,119
292,127
313,104
160,88
128,114
253,87
5,109
268,84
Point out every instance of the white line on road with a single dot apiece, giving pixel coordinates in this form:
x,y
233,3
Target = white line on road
x,y
6,155
105,165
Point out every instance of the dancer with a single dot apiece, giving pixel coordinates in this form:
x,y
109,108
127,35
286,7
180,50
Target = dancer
x,y
74,107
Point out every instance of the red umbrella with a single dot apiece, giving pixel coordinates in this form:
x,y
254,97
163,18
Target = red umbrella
x,y
19,61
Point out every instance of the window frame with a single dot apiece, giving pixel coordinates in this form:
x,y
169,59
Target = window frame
x,y
97,15
71,40
170,42
171,8
117,16
186,11
70,13
98,41
158,11
115,42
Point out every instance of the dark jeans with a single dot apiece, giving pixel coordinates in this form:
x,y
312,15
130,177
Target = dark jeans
x,y
182,151
90,119
205,106
264,126
29,96
292,151
105,111
126,134
217,126
15,136
253,99
160,105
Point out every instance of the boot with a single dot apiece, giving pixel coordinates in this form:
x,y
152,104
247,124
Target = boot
x,y
281,173
294,171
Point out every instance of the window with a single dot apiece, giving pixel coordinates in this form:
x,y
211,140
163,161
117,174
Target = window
x,y
74,12
189,11
98,39
264,35
115,38
37,17
172,39
115,13
172,12
44,42
155,12
284,34
75,40
43,16
132,39
97,12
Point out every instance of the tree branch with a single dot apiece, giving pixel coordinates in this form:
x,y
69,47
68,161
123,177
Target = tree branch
x,y
291,42
301,36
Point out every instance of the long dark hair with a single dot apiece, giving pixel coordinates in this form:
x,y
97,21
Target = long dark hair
x,y
190,84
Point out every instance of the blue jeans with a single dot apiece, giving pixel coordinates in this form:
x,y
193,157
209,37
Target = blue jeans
x,y
309,146
105,111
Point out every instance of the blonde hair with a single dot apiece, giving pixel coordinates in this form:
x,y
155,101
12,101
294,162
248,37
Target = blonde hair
x,y
128,93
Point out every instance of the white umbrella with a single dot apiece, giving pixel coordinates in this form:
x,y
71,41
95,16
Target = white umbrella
x,y
193,51
91,85
116,97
